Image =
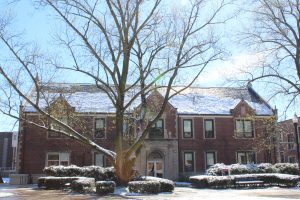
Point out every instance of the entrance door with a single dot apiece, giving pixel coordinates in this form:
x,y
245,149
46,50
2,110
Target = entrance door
x,y
155,168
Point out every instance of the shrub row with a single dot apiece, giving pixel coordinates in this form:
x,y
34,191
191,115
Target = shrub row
x,y
105,187
206,181
99,173
83,185
284,168
55,182
144,187
148,184
77,184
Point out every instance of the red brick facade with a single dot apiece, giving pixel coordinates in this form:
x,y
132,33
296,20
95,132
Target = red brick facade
x,y
35,144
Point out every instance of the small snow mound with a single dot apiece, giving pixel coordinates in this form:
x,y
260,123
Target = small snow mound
x,y
5,194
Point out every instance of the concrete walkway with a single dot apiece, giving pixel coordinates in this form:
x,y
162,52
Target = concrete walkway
x,y
33,193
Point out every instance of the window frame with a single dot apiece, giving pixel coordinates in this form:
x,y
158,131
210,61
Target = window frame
x,y
94,159
192,129
154,126
246,152
193,161
213,127
291,143
102,129
243,134
294,157
59,135
215,158
59,158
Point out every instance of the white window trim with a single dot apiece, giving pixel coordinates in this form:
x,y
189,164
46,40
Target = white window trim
x,y
239,151
105,127
49,153
193,128
244,138
183,163
164,129
215,132
216,157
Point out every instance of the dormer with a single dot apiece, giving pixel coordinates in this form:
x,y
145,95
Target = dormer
x,y
242,110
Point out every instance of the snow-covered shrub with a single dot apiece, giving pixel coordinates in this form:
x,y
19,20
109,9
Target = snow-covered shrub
x,y
97,172
216,169
200,181
41,182
266,168
212,181
287,168
83,185
105,187
165,184
144,187
51,182
204,181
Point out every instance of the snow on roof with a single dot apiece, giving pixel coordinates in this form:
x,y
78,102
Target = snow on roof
x,y
194,100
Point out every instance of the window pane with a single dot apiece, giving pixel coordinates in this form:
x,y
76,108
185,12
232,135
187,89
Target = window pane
x,y
210,158
188,162
64,156
208,125
99,123
239,126
64,163
187,126
53,156
248,126
53,163
99,159
159,123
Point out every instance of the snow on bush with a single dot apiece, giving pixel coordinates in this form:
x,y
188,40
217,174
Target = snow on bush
x,y
97,172
165,184
206,181
55,183
284,168
105,187
152,187
83,185
211,181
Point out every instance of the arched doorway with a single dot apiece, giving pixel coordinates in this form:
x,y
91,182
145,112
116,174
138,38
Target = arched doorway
x,y
155,164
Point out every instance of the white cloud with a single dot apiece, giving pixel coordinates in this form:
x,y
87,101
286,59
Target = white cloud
x,y
232,68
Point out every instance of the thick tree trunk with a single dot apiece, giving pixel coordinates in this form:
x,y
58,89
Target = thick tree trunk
x,y
1,180
124,169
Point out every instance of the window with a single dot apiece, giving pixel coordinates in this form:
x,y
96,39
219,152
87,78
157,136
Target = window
x,y
291,142
187,128
282,159
157,130
99,128
244,128
292,159
99,159
209,128
188,161
55,126
58,159
210,159
246,157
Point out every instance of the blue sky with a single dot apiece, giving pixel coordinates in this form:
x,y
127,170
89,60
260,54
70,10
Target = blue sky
x,y
39,25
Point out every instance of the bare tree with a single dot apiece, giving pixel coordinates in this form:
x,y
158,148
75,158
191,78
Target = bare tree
x,y
275,34
121,46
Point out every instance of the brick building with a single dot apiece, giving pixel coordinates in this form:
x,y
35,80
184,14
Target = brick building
x,y
199,127
287,146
